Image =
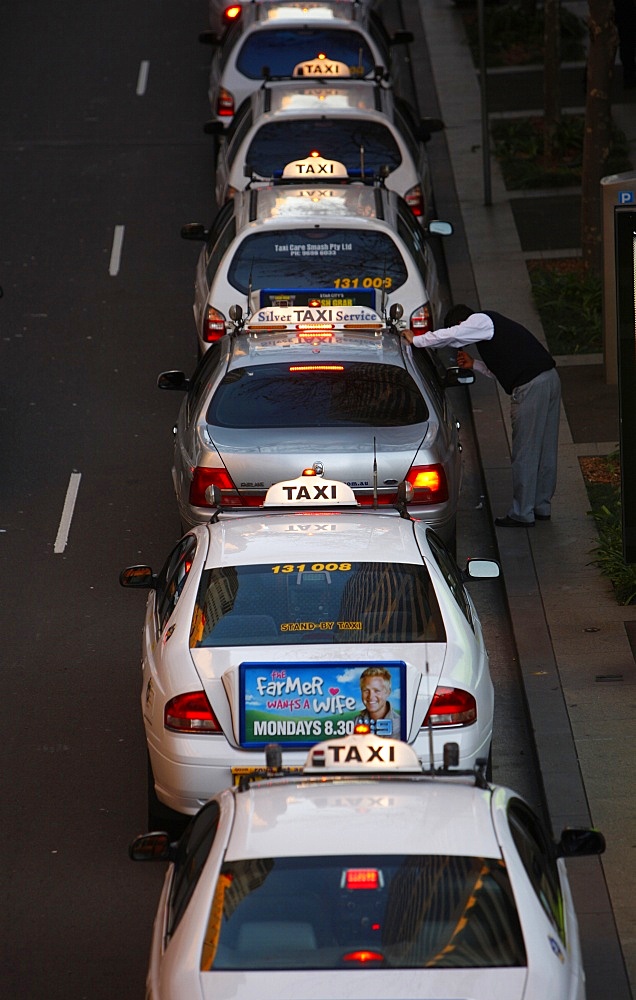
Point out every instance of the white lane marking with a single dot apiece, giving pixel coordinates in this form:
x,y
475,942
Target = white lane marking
x,y
115,253
142,79
67,512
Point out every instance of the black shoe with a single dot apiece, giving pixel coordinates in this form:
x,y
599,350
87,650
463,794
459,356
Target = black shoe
x,y
541,517
511,522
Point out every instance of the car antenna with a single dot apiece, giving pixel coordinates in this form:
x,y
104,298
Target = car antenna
x,y
384,295
375,476
362,162
249,289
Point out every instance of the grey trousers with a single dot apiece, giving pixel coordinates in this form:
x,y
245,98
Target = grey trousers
x,y
534,413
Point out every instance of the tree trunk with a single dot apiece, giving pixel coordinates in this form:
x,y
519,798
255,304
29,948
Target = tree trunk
x,y
551,75
598,121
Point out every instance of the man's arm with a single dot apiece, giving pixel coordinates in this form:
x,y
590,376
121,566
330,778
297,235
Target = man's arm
x,y
477,327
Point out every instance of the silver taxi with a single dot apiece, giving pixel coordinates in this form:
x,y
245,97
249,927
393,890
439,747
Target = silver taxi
x,y
289,131
326,385
299,38
354,238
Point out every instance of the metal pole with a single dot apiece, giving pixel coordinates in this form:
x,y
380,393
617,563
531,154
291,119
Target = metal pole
x,y
485,133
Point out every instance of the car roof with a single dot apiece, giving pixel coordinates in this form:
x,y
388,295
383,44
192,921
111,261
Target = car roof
x,y
362,535
301,205
341,95
302,11
300,818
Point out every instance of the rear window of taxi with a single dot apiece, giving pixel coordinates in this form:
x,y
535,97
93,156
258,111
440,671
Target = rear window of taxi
x,y
336,601
363,146
311,394
321,257
350,912
282,49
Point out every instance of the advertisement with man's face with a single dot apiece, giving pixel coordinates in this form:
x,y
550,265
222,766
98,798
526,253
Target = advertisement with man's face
x,y
299,704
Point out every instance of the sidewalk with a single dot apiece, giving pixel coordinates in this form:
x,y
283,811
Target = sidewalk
x,y
572,639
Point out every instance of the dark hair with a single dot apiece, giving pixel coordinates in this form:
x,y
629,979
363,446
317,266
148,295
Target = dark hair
x,y
456,315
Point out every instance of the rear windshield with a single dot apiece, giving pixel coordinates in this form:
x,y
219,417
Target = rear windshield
x,y
349,912
318,257
363,146
282,49
312,395
308,603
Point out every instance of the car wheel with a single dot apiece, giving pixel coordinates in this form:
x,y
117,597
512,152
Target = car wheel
x,y
161,816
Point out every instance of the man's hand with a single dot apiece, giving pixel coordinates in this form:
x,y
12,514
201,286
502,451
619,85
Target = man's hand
x,y
464,360
408,335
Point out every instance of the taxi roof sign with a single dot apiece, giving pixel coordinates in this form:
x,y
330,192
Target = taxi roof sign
x,y
308,491
314,166
362,755
295,316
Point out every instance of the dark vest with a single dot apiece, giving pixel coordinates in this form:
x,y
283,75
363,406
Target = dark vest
x,y
513,355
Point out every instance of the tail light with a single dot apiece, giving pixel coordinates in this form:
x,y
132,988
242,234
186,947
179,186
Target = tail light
x,y
214,325
225,104
429,484
232,13
415,200
203,477
421,320
190,713
451,707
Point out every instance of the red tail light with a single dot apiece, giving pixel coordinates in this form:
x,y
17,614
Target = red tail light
x,y
363,956
214,325
203,477
362,878
429,484
232,13
421,320
190,713
225,104
415,200
451,707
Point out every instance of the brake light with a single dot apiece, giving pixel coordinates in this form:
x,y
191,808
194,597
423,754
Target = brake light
x,y
429,484
233,12
190,713
415,200
362,878
421,320
362,956
451,707
202,477
225,104
214,325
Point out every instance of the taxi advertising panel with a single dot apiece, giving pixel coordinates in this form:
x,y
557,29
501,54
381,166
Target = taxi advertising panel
x,y
315,298
299,704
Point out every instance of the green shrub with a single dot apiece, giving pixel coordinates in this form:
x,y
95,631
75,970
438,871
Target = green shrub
x,y
570,304
514,36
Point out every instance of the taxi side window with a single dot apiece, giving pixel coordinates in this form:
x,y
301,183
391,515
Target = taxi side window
x,y
426,366
538,857
203,376
171,579
381,38
222,221
192,853
450,571
414,239
407,125
242,123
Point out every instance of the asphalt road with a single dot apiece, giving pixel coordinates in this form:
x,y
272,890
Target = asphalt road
x,y
102,160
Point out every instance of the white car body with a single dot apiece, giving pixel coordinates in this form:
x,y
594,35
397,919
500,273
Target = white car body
x,y
330,37
356,122
283,238
470,893
189,765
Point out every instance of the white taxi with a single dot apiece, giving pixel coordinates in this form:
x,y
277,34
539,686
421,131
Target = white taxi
x,y
365,877
299,38
284,240
297,622
350,129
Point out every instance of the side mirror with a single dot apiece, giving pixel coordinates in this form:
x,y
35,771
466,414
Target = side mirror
x,y
426,128
173,380
213,128
194,231
151,847
455,376
438,228
578,842
481,569
401,38
139,577
209,38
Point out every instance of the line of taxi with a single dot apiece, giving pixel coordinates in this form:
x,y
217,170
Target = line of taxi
x,y
313,610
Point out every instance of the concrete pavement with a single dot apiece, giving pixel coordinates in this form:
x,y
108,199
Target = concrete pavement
x,y
575,644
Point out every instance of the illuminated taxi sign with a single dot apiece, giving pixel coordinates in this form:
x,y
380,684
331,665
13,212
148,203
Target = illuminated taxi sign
x,y
316,166
321,66
308,491
362,754
295,316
